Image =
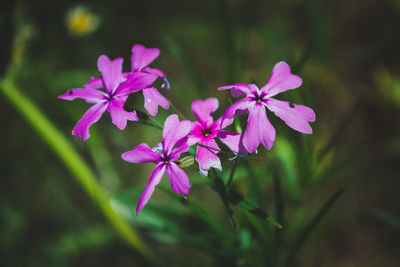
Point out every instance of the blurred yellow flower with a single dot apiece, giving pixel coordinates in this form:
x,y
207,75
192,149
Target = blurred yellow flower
x,y
80,21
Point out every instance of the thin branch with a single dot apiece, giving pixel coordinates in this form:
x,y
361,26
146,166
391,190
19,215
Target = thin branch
x,y
228,184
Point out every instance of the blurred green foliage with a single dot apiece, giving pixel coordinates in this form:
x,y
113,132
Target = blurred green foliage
x,y
346,53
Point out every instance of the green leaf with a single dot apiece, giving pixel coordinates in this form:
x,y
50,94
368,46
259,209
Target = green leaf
x,y
345,122
311,226
179,54
286,156
386,217
236,199
219,186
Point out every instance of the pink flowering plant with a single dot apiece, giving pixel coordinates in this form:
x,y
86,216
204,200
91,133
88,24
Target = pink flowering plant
x,y
179,136
208,149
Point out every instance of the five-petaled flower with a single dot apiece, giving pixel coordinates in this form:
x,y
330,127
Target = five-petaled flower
x,y
165,156
204,130
117,90
259,129
141,58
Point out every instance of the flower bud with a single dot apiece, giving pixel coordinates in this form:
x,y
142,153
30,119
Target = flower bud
x,y
185,161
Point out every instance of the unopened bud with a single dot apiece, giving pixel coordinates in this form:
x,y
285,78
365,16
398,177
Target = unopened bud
x,y
237,126
186,161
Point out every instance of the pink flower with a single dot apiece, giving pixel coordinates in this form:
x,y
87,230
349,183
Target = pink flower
x,y
141,58
259,129
205,130
112,100
164,155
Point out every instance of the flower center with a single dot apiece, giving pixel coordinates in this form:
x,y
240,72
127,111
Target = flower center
x,y
259,98
110,96
166,159
206,132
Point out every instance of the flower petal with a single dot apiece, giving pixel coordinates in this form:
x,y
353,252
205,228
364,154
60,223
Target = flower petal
x,y
203,110
140,154
94,83
233,141
193,140
119,115
174,130
155,178
142,56
207,157
135,82
236,108
178,178
296,117
240,88
281,80
153,99
89,95
159,73
111,72
92,115
155,71
176,152
259,129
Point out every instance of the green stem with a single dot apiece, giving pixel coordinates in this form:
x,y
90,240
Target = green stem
x,y
176,110
219,186
150,124
321,213
232,173
59,144
279,215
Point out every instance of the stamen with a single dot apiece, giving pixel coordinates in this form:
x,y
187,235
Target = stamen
x,y
166,161
258,100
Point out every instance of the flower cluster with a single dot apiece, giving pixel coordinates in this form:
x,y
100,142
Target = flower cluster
x,y
178,136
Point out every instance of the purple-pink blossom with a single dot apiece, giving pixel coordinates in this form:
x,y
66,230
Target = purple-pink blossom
x,y
141,58
118,87
205,130
165,156
259,129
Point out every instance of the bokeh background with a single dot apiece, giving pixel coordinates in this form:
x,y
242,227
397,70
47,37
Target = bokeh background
x,y
347,53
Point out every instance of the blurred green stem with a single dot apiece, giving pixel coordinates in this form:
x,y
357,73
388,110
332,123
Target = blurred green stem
x,y
150,124
219,186
176,110
73,162
279,215
230,44
103,161
186,63
321,213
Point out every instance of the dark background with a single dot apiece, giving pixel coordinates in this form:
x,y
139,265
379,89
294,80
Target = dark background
x,y
347,53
